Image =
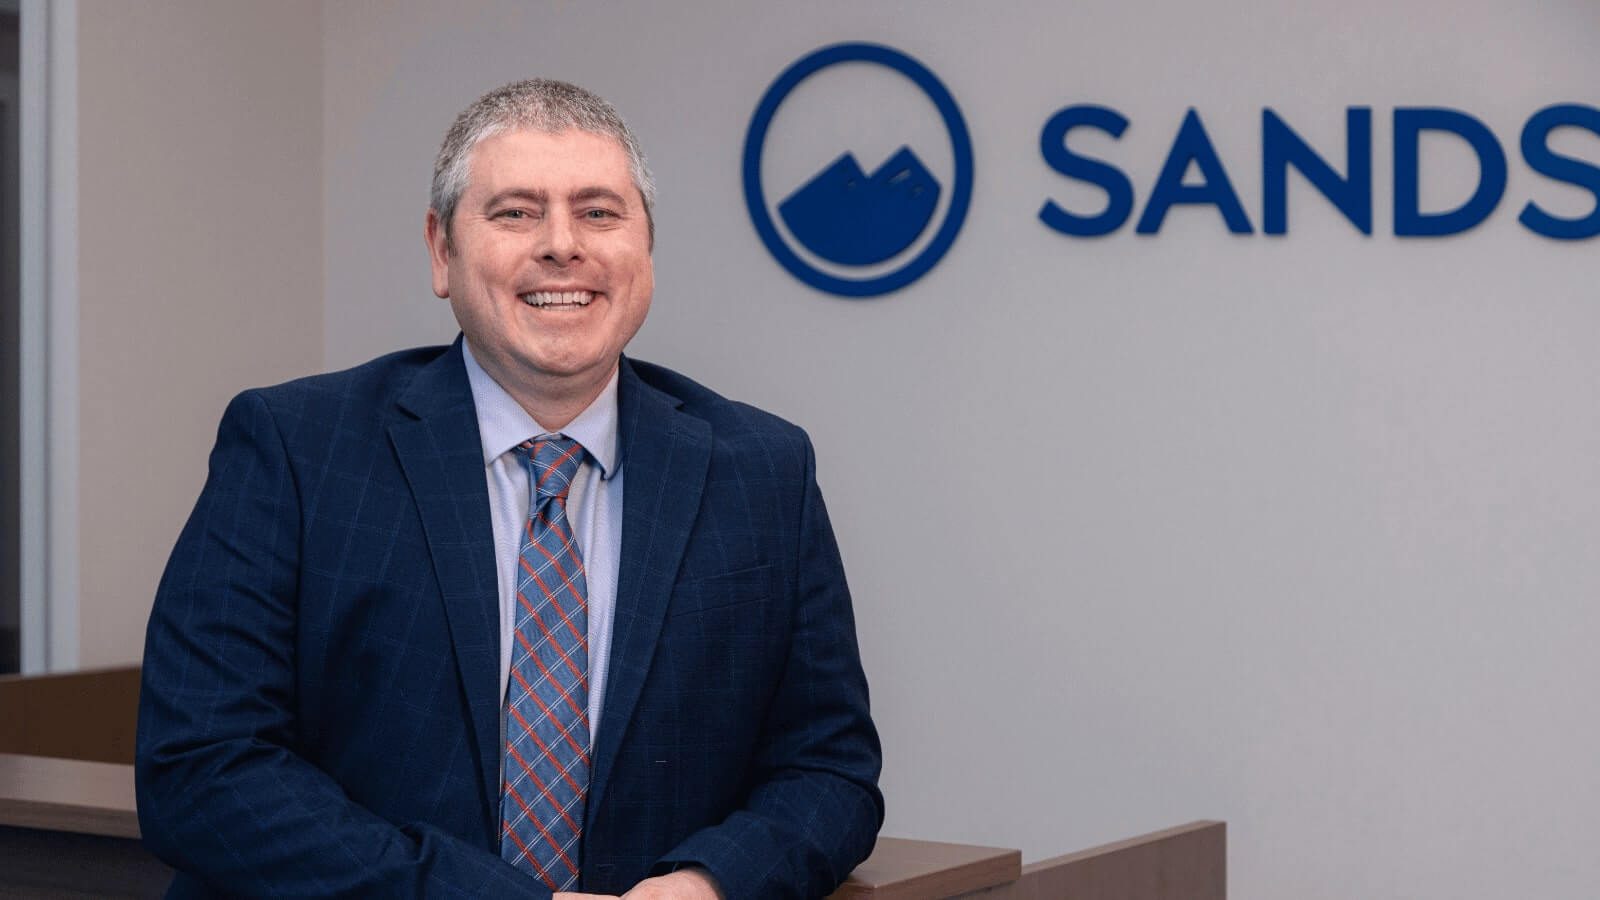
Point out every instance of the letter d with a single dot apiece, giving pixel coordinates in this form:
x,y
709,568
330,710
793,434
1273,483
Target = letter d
x,y
1409,221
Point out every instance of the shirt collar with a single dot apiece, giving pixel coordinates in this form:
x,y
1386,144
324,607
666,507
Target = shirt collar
x,y
503,423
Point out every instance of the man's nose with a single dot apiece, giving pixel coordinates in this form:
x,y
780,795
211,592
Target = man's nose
x,y
561,243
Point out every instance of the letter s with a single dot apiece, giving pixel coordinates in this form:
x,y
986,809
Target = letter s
x,y
1536,150
1119,190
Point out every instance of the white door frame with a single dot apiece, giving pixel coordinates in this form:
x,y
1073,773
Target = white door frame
x,y
49,329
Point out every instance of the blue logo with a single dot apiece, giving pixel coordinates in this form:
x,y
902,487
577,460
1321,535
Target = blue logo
x,y
851,219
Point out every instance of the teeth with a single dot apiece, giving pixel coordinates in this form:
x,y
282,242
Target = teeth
x,y
557,298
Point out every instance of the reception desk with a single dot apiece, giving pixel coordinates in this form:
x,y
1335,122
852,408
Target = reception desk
x,y
69,827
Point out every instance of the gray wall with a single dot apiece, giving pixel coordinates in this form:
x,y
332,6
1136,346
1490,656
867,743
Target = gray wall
x,y
1294,532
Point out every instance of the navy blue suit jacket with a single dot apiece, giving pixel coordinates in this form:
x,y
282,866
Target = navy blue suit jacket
x,y
320,708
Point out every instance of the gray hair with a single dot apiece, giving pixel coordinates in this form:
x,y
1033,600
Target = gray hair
x,y
540,104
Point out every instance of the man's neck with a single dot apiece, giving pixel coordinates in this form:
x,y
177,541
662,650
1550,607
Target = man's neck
x,y
552,401
554,410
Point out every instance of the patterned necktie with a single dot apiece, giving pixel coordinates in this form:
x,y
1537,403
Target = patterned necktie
x,y
547,699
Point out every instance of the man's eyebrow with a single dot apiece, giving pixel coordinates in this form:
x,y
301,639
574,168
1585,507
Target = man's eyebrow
x,y
530,195
588,194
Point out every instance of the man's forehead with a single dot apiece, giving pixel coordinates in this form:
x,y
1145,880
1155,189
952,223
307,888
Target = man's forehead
x,y
542,159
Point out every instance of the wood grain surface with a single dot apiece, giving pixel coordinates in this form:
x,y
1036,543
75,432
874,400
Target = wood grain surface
x,y
1188,862
901,869
67,795
77,715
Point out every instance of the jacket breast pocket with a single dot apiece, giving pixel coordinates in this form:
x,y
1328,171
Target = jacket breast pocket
x,y
724,593
724,643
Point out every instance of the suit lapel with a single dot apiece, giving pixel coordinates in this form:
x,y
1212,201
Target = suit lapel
x,y
665,454
442,457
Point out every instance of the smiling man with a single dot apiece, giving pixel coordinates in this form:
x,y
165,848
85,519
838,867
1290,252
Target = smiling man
x,y
516,617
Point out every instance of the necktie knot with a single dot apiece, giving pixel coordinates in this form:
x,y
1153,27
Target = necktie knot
x,y
552,464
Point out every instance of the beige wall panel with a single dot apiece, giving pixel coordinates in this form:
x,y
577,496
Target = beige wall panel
x,y
200,141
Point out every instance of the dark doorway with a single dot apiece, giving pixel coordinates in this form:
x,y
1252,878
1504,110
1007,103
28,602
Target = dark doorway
x,y
10,330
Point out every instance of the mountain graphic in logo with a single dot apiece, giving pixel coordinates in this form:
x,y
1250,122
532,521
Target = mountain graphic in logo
x,y
844,231
850,218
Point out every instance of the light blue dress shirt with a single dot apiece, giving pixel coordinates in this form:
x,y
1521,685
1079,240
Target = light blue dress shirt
x,y
594,507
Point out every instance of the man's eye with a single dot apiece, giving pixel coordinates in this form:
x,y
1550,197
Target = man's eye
x,y
599,214
514,214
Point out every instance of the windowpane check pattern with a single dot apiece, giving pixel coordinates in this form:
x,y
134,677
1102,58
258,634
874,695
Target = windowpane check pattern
x,y
547,699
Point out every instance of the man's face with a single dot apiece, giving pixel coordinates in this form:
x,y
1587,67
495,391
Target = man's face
x,y
547,265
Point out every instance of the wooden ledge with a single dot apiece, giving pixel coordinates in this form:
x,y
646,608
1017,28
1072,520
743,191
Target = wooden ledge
x,y
67,795
84,811
91,714
901,869
1188,862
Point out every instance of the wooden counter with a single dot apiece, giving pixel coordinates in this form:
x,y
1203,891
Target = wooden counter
x,y
69,829
89,714
67,795
901,869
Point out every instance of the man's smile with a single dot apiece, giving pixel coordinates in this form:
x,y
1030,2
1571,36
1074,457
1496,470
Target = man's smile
x,y
543,299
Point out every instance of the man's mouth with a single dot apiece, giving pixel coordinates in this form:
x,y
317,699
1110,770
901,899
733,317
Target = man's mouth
x,y
544,299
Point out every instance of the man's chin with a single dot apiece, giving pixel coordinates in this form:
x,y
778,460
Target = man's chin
x,y
567,371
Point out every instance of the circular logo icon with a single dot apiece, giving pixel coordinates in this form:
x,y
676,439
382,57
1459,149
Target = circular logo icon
x,y
865,234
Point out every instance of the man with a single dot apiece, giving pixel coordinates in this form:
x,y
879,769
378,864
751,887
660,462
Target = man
x,y
515,617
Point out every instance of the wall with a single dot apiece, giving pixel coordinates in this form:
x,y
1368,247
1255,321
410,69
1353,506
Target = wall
x,y
1295,532
200,259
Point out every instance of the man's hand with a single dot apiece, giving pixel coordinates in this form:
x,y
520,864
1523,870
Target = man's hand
x,y
684,884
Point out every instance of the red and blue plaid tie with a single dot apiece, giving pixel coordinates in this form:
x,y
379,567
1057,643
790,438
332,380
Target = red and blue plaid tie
x,y
547,699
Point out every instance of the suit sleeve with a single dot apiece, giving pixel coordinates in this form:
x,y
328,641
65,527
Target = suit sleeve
x,y
222,793
815,810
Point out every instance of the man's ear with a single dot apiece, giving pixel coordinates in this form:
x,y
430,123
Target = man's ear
x,y
438,240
